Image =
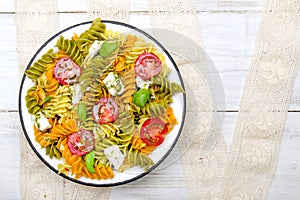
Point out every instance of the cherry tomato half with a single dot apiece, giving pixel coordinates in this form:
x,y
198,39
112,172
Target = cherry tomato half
x,y
153,131
81,142
105,111
147,65
66,71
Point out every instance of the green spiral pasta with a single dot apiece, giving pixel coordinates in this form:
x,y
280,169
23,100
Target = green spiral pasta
x,y
136,158
93,69
91,75
166,87
106,130
100,145
53,151
31,100
95,32
70,47
151,109
89,123
125,122
38,68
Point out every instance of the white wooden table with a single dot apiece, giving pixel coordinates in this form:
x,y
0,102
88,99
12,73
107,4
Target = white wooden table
x,y
229,35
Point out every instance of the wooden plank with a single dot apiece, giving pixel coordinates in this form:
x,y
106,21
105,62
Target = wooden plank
x,y
9,155
286,183
141,5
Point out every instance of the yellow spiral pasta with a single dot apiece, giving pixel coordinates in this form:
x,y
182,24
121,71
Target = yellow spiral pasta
x,y
60,104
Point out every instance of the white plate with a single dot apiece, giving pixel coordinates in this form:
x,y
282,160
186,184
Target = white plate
x,y
161,152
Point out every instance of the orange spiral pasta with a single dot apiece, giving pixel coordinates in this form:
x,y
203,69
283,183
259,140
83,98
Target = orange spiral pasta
x,y
120,65
52,84
170,119
40,137
129,85
76,162
138,144
62,130
78,167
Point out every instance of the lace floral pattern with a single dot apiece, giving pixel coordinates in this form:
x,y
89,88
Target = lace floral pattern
x,y
179,16
109,10
263,110
202,168
272,72
284,28
34,26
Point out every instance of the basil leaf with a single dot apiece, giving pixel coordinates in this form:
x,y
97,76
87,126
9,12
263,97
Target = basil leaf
x,y
89,161
141,97
81,111
47,99
108,48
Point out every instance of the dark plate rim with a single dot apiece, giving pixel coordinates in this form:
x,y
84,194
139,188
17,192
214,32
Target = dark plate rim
x,y
105,184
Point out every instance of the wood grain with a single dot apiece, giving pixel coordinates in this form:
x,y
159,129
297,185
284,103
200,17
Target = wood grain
x,y
229,31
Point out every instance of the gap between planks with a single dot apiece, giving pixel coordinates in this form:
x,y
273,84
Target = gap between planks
x,y
146,11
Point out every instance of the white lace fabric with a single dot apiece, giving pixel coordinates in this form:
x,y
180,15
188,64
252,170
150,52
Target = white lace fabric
x,y
264,105
36,21
109,10
202,167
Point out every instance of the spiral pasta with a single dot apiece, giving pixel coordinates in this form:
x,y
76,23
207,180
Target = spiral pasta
x,y
100,145
31,99
60,104
135,157
62,130
129,85
71,49
85,102
40,137
127,42
38,68
52,84
53,151
95,32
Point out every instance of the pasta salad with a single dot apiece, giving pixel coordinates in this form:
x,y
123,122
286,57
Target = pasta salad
x,y
101,102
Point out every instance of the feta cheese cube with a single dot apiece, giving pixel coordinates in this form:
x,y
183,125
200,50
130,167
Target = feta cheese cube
x,y
94,48
114,84
41,122
114,155
142,83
